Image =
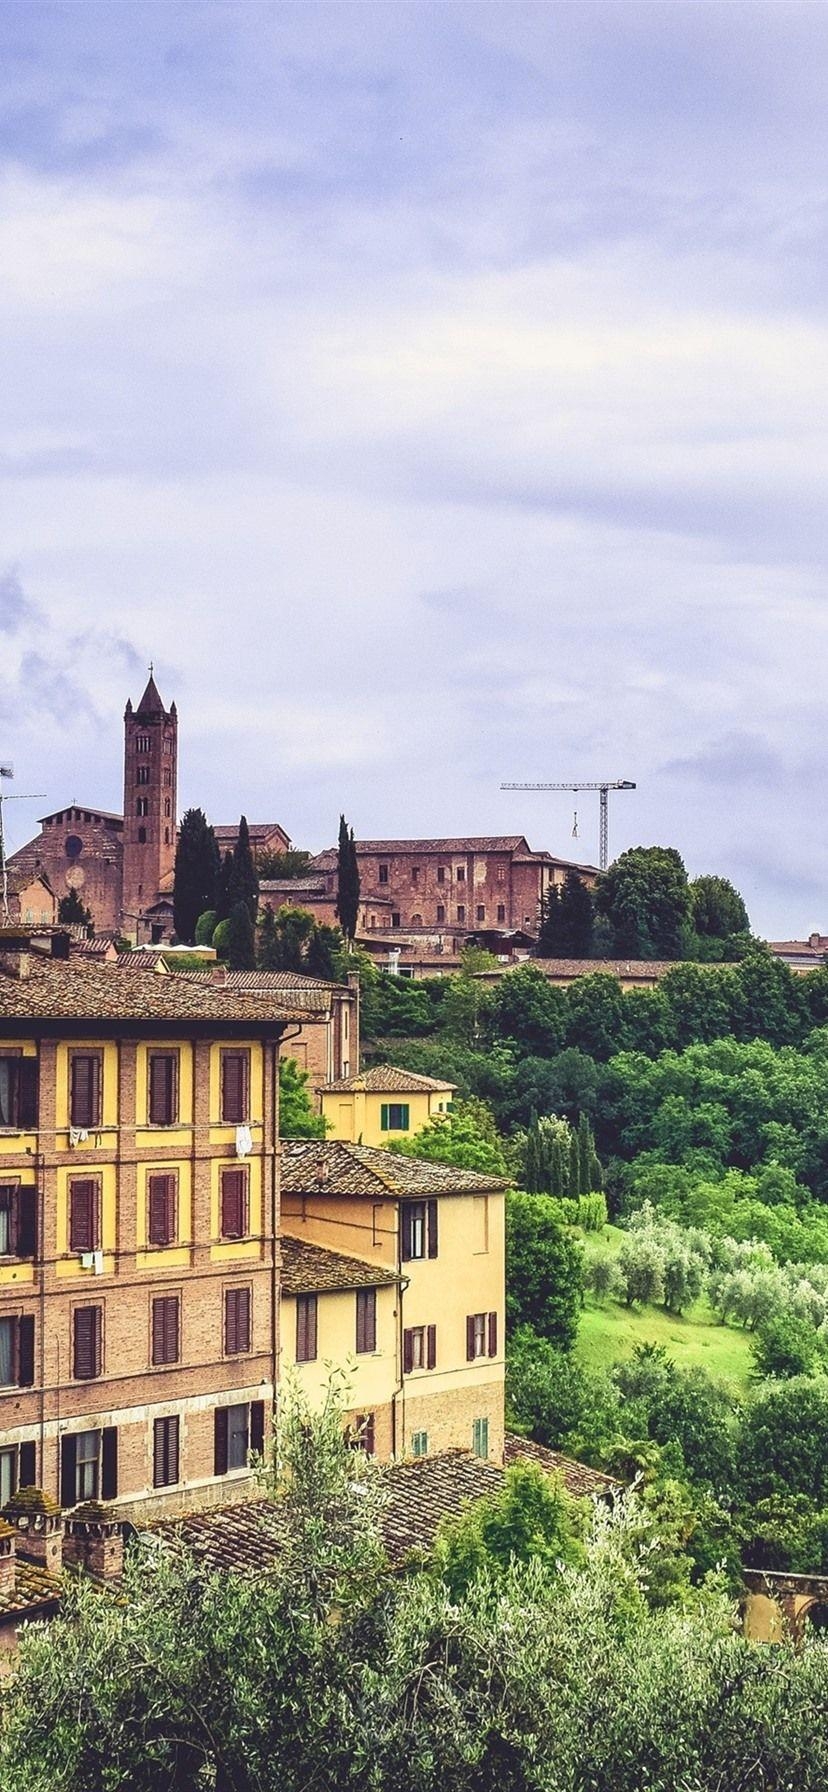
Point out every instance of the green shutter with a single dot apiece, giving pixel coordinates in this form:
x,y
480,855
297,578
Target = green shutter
x,y
384,1117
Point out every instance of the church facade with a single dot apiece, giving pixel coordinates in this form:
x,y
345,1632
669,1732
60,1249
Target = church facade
x,y
121,866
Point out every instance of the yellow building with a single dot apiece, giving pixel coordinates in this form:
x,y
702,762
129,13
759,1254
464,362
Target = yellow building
x,y
383,1104
426,1354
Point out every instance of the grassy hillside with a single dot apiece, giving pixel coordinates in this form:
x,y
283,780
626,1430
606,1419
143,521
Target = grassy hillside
x,y
608,1332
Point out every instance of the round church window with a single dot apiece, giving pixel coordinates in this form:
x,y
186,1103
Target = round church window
x,y
74,846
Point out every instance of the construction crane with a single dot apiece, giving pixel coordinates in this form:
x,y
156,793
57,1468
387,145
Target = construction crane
x,y
603,786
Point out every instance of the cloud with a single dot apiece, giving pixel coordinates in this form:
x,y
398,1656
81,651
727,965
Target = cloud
x,y
15,607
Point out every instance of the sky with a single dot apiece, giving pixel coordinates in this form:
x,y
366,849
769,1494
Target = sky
x,y
436,394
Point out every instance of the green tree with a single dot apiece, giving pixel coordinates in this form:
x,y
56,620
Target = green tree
x,y
206,927
297,1118
323,952
717,908
529,1010
645,897
596,1018
530,1518
244,882
282,865
71,911
783,1440
544,1278
784,1346
195,874
347,881
225,887
239,944
466,1137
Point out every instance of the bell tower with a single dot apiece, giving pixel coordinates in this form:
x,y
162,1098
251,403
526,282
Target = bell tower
x,y
150,807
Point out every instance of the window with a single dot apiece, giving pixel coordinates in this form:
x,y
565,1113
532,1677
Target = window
x,y
86,1343
142,805
165,1452
360,1434
85,1089
235,1086
18,1221
366,1320
17,1352
142,776
383,874
395,918
18,1468
18,1093
419,1348
394,1116
306,1328
162,1209
166,778
460,874
480,912
89,1466
461,912
167,808
441,912
419,1443
418,1230
480,1437
162,1103
236,1321
237,1431
415,874
481,1335
142,841
165,1330
441,874
142,743
234,1203
501,911
84,1214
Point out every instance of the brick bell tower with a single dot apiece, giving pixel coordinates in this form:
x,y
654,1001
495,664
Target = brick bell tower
x,y
150,808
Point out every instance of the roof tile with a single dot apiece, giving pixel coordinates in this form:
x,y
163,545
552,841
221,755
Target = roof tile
x,y
334,1167
313,1269
386,1079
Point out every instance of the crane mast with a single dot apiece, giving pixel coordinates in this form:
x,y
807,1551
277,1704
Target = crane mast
x,y
603,786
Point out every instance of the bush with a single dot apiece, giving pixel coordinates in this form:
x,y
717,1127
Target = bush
x,y
592,1212
786,1346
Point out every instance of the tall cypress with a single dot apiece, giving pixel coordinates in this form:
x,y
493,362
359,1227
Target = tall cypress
x,y
244,884
224,888
586,1153
196,873
574,1188
347,881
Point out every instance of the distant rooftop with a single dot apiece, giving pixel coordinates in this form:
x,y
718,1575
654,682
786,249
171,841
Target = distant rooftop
x,y
339,1168
385,1079
37,988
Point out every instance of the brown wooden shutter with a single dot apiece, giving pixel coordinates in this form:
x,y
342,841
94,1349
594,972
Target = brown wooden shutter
x,y
367,1430
220,1440
165,1329
87,1352
470,1350
68,1471
83,1208
370,1321
109,1463
257,1426
86,1089
27,1093
26,1222
162,1088
493,1334
360,1322
159,1453
233,1191
234,1087
243,1318
26,1351
431,1227
161,1227
405,1233
27,1465
236,1321
431,1347
408,1351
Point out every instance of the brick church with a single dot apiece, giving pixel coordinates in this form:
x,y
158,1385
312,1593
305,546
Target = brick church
x,y
122,865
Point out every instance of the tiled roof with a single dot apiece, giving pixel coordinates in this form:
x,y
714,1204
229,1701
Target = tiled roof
x,y
92,949
454,843
578,1478
34,1589
264,981
313,1269
84,809
333,1167
588,967
300,886
227,832
55,990
420,1494
385,1079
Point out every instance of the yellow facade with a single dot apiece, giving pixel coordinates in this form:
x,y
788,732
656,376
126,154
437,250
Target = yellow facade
x,y
362,1117
371,1377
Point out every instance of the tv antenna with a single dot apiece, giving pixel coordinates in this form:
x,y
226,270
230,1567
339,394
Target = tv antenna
x,y
7,771
603,786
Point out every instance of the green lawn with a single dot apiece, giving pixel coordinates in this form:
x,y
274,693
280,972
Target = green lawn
x,y
609,1332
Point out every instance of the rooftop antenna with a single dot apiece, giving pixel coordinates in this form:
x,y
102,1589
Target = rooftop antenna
x,y
7,771
604,786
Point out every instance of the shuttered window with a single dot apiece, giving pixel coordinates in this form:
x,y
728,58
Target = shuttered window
x,y
86,1350
366,1320
480,1437
306,1328
361,1434
85,1089
162,1217
394,1116
233,1203
163,1088
236,1321
17,1351
235,1082
419,1348
165,1452
166,1329
84,1210
18,1221
89,1466
475,1336
18,1092
493,1334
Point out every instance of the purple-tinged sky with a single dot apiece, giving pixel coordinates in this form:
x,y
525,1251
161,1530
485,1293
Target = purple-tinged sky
x,y
438,395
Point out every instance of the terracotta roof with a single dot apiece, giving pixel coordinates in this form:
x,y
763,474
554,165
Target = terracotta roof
x,y
301,886
227,831
453,843
589,967
34,1591
313,1269
578,1478
56,990
265,981
92,949
385,1079
366,1170
84,809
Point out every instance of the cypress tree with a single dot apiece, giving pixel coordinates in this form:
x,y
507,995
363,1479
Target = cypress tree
x,y
224,891
240,945
576,917
559,1169
549,937
244,883
586,1152
347,881
195,875
574,1188
270,953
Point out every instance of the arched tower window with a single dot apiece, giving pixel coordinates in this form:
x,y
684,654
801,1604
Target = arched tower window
x,y
142,806
142,836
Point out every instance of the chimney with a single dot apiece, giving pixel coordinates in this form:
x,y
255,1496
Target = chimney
x,y
38,1522
95,1540
218,975
15,964
814,939
8,1565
